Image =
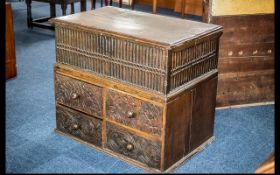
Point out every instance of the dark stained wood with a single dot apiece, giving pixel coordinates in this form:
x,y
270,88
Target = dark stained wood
x,y
79,125
133,57
246,87
79,95
245,64
253,29
111,153
193,7
178,122
160,3
246,59
133,112
109,83
177,130
145,85
10,54
203,112
133,146
192,125
246,50
43,22
132,24
206,11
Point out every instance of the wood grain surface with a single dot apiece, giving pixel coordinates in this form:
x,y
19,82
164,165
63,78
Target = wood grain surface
x,y
246,59
10,54
79,125
78,94
133,146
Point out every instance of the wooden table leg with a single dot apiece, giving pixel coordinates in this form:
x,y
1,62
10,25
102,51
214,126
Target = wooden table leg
x,y
132,4
83,5
120,3
52,9
183,8
63,7
154,6
93,2
29,13
72,8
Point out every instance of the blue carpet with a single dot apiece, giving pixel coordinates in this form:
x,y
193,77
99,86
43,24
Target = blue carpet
x,y
244,137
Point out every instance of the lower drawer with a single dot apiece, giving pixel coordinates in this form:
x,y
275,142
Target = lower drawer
x,y
79,125
133,146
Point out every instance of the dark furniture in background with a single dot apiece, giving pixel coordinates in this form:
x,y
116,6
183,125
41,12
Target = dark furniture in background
x,y
93,2
145,97
43,22
10,55
246,56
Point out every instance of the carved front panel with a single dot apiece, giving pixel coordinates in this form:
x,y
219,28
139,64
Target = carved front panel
x,y
133,146
126,60
133,112
79,125
79,95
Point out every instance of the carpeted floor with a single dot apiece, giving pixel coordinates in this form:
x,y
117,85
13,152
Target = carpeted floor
x,y
244,137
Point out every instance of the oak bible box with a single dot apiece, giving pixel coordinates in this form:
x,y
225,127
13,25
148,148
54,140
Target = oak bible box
x,y
137,86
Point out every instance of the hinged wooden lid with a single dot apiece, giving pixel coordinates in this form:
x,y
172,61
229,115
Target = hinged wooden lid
x,y
167,31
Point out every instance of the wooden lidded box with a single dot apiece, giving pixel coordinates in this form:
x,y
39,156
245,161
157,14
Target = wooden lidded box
x,y
138,86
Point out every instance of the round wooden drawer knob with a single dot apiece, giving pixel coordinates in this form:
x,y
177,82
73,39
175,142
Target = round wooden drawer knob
x,y
130,114
74,96
129,147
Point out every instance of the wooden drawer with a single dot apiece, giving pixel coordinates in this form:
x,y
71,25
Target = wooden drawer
x,y
133,146
79,95
79,125
133,112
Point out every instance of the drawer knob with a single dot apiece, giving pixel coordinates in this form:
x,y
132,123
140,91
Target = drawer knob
x,y
74,96
129,147
75,126
130,114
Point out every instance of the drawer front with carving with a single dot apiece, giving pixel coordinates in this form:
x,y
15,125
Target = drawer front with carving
x,y
133,112
79,125
133,146
79,95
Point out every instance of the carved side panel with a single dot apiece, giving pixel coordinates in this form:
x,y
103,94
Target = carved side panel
x,y
133,146
79,95
191,62
135,113
79,125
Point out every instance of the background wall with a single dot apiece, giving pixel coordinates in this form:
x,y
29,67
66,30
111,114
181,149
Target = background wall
x,y
246,55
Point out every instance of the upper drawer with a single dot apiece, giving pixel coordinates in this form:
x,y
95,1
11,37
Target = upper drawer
x,y
79,95
133,112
